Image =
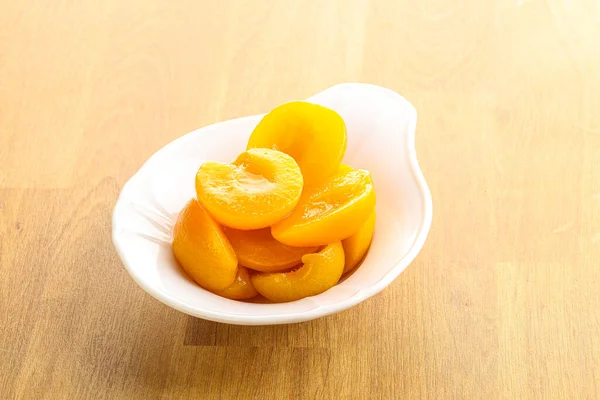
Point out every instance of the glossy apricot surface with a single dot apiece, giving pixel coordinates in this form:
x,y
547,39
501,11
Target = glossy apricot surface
x,y
315,136
356,246
202,249
319,272
286,219
254,192
241,288
329,212
259,250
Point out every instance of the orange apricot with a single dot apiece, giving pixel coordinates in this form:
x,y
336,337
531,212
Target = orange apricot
x,y
329,212
315,136
202,248
319,272
258,250
240,289
344,169
260,188
356,246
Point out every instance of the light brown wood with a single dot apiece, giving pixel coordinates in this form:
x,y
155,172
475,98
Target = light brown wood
x,y
502,303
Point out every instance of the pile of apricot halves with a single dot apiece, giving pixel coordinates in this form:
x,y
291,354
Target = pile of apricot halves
x,y
286,219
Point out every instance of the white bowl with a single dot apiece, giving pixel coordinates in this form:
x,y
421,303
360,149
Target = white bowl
x,y
381,138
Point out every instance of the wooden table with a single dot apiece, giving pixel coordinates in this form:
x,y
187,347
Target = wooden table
x,y
502,303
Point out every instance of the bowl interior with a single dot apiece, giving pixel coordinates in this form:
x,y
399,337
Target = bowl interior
x,y
380,126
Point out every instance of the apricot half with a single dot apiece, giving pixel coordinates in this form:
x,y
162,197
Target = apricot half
x,y
241,288
254,192
202,249
319,272
258,250
356,246
315,136
329,212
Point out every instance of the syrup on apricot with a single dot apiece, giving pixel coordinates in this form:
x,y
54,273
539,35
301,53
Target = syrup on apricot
x,y
329,212
256,191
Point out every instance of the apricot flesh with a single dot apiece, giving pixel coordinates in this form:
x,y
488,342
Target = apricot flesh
x,y
329,212
258,250
319,272
356,246
286,219
202,249
254,192
241,288
315,136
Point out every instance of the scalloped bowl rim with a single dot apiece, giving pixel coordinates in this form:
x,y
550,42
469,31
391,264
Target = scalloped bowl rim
x,y
321,309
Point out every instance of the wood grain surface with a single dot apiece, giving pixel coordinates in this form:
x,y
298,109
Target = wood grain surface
x,y
502,303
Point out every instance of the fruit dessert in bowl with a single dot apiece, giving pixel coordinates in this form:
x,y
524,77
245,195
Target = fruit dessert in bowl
x,y
283,217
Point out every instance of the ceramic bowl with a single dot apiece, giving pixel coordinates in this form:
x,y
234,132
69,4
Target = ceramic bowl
x,y
381,138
